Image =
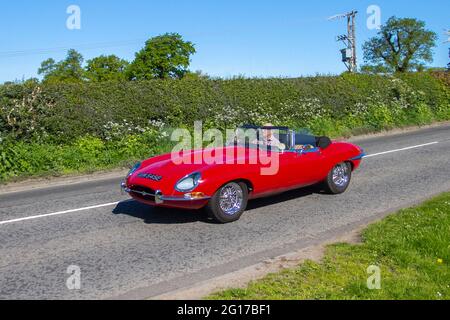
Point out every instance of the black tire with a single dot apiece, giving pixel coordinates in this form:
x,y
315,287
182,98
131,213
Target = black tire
x,y
338,178
216,211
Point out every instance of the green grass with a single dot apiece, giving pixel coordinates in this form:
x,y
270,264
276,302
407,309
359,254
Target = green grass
x,y
412,249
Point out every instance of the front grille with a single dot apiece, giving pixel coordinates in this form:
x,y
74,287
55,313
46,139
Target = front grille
x,y
143,193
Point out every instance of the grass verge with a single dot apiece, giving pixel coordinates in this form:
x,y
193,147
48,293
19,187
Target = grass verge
x,y
411,248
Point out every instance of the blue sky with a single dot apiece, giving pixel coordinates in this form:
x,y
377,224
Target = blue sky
x,y
246,37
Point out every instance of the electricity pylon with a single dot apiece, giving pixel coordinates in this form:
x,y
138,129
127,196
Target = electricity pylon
x,y
349,53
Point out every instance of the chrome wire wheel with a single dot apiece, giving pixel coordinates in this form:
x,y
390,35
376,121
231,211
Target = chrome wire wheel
x,y
341,175
231,199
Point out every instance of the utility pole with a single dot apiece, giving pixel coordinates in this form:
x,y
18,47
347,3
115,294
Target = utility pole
x,y
349,53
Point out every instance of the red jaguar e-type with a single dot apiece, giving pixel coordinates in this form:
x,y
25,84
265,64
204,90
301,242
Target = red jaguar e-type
x,y
224,187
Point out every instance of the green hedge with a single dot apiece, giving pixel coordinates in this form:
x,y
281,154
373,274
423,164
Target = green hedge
x,y
36,120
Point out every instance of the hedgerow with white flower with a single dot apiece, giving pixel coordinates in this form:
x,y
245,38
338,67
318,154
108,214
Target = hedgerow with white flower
x,y
83,126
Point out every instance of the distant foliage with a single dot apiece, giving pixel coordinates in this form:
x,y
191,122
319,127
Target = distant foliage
x,y
68,70
163,57
166,56
106,68
55,127
402,45
442,75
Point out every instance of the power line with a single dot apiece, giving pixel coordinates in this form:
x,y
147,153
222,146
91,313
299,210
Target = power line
x,y
87,46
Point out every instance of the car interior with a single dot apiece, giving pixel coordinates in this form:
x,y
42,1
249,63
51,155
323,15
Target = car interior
x,y
303,141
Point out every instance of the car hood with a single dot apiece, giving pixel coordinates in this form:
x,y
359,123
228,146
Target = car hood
x,y
164,171
168,167
171,169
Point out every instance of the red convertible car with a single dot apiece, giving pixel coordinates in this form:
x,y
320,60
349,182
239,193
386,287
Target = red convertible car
x,y
224,187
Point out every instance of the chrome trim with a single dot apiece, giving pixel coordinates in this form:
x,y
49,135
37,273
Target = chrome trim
x,y
150,176
292,139
135,168
159,197
231,199
185,177
123,187
341,176
143,193
362,155
175,198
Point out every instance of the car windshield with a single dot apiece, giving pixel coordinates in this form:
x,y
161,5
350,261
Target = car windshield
x,y
273,138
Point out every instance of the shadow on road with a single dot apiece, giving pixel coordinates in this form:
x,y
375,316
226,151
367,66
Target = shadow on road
x,y
283,197
155,215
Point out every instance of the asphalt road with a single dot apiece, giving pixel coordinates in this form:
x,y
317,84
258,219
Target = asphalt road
x,y
129,250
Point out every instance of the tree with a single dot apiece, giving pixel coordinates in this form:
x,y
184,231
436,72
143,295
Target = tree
x,y
375,69
68,70
401,45
196,75
106,68
31,82
165,56
47,67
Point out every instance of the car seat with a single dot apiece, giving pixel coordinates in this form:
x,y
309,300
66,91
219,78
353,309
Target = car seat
x,y
323,142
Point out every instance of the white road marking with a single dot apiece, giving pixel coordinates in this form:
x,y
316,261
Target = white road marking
x,y
403,149
59,213
116,203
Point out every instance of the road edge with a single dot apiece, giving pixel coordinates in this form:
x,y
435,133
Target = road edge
x,y
396,131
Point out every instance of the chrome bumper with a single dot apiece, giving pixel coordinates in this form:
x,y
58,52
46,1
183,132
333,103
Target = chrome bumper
x,y
361,156
159,197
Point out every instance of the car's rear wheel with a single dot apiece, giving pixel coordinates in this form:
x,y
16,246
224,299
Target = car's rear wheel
x,y
228,203
339,178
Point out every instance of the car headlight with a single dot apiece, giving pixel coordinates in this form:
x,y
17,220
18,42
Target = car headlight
x,y
134,169
188,183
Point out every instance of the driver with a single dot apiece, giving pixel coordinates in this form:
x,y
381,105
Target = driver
x,y
269,139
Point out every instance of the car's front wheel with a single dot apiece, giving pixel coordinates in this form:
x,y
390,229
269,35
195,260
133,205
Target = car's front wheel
x,y
228,203
339,178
